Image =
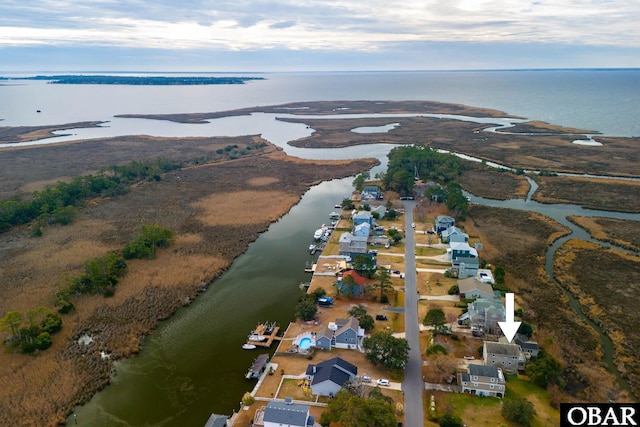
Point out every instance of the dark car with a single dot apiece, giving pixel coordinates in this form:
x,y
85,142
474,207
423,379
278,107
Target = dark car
x,y
381,317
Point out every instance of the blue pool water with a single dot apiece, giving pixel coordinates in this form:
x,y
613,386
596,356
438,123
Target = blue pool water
x,y
305,343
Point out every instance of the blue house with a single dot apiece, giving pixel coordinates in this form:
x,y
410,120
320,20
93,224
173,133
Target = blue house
x,y
442,223
362,230
362,216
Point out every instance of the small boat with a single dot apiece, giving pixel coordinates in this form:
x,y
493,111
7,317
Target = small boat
x,y
312,247
256,337
337,206
38,111
248,347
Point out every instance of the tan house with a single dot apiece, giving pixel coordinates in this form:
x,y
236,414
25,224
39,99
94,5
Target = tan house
x,y
509,357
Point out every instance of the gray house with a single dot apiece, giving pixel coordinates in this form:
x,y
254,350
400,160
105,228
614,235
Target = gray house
x,y
471,288
464,259
328,377
483,381
381,210
506,356
283,414
442,223
343,333
484,315
529,348
454,234
352,244
371,192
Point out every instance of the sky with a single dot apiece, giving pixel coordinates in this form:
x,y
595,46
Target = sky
x,y
317,35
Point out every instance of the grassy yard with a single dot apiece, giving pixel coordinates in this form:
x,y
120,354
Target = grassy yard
x,y
486,411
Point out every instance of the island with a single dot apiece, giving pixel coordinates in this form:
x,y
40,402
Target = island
x,y
82,79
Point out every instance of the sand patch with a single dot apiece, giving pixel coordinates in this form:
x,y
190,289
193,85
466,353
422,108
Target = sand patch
x,y
263,180
243,205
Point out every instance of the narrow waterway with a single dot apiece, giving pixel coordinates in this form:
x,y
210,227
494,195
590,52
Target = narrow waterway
x,y
559,213
193,364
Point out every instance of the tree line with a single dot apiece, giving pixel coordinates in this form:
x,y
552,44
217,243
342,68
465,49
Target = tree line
x,y
57,204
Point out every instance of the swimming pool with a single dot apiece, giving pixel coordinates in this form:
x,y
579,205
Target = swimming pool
x,y
305,343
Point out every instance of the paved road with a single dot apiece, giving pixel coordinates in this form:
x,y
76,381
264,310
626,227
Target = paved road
x,y
413,386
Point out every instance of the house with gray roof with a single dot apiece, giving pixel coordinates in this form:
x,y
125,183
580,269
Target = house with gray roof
x,y
328,377
216,420
362,216
362,230
454,234
371,192
464,259
284,414
530,348
470,288
503,355
442,223
381,210
484,315
343,333
483,381
352,244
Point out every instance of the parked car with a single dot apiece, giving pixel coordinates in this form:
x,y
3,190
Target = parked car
x,y
383,382
381,317
469,357
413,225
365,379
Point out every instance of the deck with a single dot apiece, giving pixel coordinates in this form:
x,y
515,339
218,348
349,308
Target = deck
x,y
271,336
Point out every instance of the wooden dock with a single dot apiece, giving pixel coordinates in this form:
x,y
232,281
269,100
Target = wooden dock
x,y
263,329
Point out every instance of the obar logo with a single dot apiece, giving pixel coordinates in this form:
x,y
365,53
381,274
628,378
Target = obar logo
x,y
599,414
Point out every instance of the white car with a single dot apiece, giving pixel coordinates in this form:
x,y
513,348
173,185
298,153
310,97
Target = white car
x,y
383,382
413,225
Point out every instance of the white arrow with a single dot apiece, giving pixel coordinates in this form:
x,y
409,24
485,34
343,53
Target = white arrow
x,y
509,328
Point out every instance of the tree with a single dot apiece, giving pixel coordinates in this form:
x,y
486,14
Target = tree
x,y
526,329
395,235
366,322
357,311
384,283
450,420
351,410
306,309
364,265
435,317
519,411
544,369
498,274
389,351
359,181
11,322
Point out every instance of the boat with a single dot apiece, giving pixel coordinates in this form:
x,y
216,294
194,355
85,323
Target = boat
x,y
248,347
312,247
256,337
319,232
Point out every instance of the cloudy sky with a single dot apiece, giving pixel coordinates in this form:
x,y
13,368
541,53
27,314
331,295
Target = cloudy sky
x,y
280,35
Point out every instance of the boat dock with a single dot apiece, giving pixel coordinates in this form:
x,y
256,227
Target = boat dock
x,y
258,367
264,335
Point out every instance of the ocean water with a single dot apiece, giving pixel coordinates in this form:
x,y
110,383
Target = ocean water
x,y
607,101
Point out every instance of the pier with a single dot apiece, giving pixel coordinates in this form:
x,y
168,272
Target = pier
x,y
264,335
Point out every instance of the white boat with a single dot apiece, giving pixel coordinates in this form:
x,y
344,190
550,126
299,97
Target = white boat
x,y
312,247
255,337
318,233
248,346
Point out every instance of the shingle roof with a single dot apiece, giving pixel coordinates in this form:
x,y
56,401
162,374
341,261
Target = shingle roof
x,y
470,284
501,348
483,371
216,421
336,370
282,413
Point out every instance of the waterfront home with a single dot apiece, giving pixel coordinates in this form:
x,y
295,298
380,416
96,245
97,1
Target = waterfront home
x,y
442,223
529,348
357,289
454,234
483,381
328,377
371,192
352,244
471,288
509,357
283,414
484,315
362,216
362,230
343,333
